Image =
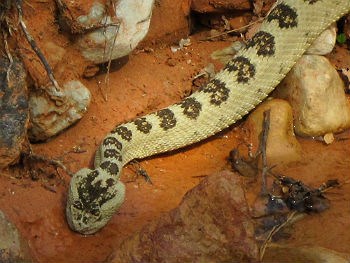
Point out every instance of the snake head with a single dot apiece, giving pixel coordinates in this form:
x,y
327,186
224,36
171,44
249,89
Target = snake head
x,y
93,197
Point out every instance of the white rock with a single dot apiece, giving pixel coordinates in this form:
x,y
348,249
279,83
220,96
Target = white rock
x,y
324,44
316,93
114,42
95,15
48,119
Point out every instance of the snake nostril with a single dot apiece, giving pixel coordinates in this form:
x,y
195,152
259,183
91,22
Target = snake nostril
x,y
78,205
95,210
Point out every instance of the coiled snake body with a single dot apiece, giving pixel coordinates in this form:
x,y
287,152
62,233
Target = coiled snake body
x,y
94,195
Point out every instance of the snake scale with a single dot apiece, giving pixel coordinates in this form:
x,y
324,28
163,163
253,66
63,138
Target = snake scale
x,y
291,26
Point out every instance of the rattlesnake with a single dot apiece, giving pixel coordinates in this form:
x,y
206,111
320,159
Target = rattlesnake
x,y
288,30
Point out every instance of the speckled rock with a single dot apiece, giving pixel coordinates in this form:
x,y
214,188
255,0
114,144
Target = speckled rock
x,y
131,21
212,224
13,248
13,111
282,145
47,118
208,6
316,93
324,44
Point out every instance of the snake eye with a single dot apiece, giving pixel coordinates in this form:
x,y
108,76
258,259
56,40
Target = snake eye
x,y
78,205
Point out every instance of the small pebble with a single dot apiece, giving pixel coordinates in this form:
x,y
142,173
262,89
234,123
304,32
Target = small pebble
x,y
328,138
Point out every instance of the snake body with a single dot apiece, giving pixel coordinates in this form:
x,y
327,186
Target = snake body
x,y
291,26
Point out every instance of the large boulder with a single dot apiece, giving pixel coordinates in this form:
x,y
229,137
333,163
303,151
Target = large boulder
x,y
212,224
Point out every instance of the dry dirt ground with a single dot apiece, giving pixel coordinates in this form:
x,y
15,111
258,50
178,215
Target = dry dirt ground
x,y
35,201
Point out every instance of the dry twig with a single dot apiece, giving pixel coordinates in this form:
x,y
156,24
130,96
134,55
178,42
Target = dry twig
x,y
262,148
109,63
140,171
8,54
233,30
56,92
243,27
53,162
273,231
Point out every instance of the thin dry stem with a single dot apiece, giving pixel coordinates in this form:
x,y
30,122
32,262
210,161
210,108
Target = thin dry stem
x,y
273,231
263,143
58,92
106,81
8,54
242,27
49,161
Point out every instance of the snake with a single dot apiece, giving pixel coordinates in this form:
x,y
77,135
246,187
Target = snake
x,y
291,26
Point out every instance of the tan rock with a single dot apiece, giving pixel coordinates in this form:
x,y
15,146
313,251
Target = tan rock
x,y
212,224
316,93
328,138
324,44
282,146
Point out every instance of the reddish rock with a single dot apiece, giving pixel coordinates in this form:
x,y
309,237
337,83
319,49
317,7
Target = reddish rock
x,y
211,224
210,6
240,21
